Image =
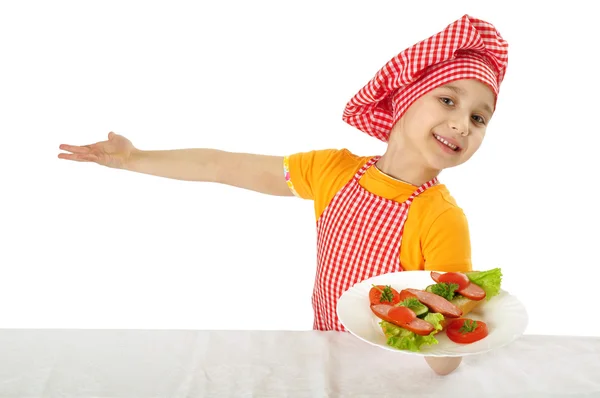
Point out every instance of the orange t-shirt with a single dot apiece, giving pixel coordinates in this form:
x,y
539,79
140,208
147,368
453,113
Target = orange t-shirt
x,y
436,232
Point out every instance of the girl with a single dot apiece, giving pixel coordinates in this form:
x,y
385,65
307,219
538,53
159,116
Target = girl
x,y
431,104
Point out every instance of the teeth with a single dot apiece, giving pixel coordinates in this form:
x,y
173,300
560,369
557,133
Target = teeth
x,y
443,141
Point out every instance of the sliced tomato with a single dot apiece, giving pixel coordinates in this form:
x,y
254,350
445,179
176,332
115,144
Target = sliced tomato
x,y
377,295
402,315
470,291
472,332
454,277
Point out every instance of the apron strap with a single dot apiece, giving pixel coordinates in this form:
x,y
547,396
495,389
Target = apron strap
x,y
364,169
422,189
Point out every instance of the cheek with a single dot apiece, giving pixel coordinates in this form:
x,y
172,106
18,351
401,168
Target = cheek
x,y
474,144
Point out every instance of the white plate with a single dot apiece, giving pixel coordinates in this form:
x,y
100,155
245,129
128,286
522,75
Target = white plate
x,y
504,315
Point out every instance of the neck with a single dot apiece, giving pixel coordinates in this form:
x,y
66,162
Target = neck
x,y
404,165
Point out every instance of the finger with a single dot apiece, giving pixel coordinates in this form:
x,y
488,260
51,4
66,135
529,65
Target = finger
x,y
68,156
111,135
75,149
78,157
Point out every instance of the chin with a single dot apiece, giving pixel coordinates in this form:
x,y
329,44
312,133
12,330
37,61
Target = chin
x,y
438,164
437,160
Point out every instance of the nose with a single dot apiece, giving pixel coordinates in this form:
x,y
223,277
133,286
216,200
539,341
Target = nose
x,y
460,128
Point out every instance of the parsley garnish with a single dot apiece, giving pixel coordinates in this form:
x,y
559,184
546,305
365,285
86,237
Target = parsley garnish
x,y
468,326
386,294
446,290
410,302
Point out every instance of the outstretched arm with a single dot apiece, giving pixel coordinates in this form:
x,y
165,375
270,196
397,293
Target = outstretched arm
x,y
260,173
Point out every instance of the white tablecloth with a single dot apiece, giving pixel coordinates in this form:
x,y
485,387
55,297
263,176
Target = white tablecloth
x,y
142,363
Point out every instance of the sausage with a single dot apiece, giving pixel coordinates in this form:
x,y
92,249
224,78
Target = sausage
x,y
436,303
417,325
435,276
472,291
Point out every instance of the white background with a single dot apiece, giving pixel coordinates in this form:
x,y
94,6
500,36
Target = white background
x,y
84,246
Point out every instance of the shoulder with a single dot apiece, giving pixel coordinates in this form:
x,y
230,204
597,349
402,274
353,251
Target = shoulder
x,y
441,198
315,174
327,159
329,155
442,210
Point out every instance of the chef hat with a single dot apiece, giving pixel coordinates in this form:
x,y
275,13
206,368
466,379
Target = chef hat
x,y
469,48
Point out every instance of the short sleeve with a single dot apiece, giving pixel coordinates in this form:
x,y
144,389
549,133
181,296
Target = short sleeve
x,y
447,245
305,172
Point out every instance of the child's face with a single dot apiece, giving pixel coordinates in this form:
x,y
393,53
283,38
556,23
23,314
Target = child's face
x,y
457,113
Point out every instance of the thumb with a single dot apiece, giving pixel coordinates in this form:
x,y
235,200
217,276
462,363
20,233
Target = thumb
x,y
111,135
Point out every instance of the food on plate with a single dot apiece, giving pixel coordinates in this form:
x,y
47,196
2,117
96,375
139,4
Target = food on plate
x,y
466,331
482,285
415,305
452,277
436,303
411,317
383,295
402,317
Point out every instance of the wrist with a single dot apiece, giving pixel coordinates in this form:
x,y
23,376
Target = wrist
x,y
133,160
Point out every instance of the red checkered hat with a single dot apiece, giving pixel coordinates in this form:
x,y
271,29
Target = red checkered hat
x,y
467,49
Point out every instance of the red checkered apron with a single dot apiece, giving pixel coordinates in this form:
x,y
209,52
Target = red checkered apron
x,y
358,236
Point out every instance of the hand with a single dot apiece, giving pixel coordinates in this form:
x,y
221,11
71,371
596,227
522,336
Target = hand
x,y
443,366
112,153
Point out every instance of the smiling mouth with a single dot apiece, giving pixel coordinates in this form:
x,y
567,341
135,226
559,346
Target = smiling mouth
x,y
448,144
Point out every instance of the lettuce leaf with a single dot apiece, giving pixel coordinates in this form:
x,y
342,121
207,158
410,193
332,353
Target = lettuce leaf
x,y
403,339
489,281
435,319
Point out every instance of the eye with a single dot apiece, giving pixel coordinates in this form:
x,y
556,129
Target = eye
x,y
447,101
478,119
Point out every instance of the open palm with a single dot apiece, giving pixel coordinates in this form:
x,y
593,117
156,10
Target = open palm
x,y
112,153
